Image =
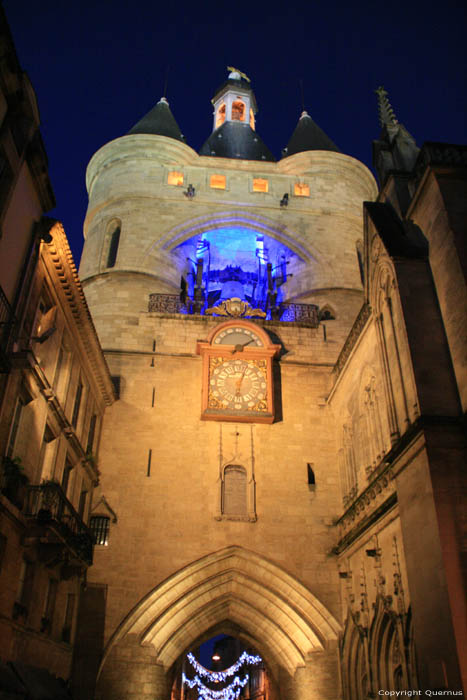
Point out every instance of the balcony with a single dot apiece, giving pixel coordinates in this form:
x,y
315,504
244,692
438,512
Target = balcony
x,y
56,529
305,314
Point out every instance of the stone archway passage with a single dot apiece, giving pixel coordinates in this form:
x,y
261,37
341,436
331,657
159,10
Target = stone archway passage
x,y
234,584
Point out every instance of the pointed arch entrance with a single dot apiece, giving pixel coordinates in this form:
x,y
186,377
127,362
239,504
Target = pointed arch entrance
x,y
284,621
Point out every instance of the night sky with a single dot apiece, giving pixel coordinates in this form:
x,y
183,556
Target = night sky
x,y
98,66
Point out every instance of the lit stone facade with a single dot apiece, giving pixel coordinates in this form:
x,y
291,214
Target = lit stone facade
x,y
340,484
51,414
49,356
127,182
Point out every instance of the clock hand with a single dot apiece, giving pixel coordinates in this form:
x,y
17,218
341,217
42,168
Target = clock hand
x,y
239,347
238,383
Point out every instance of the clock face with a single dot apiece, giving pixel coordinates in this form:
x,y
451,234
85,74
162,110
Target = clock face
x,y
238,336
238,385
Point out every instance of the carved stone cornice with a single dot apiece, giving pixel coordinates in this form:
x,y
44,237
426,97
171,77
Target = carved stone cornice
x,y
359,324
58,259
435,154
378,497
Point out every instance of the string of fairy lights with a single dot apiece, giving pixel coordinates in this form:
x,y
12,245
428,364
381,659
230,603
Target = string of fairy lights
x,y
229,692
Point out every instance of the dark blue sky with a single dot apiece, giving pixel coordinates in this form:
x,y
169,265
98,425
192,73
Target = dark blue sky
x,y
98,66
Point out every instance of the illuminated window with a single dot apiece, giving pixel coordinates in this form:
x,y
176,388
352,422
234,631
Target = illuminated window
x,y
301,190
252,119
175,178
220,117
100,526
260,185
217,182
238,111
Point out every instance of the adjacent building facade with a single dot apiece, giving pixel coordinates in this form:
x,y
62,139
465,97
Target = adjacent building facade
x,y
54,387
285,460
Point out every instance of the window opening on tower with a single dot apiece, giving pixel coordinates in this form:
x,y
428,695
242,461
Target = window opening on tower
x,y
301,189
114,240
220,118
217,182
175,178
238,111
260,185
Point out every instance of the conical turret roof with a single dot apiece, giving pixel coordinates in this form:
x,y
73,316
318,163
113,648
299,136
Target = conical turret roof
x,y
236,140
308,136
159,120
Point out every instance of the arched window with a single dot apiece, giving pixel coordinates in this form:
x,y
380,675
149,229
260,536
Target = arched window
x,y
238,111
234,492
220,116
114,240
327,313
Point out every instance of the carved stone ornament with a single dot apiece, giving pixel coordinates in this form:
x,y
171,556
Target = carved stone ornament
x,y
376,246
236,308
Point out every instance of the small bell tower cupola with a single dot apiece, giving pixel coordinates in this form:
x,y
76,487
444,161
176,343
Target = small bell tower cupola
x,y
235,100
233,134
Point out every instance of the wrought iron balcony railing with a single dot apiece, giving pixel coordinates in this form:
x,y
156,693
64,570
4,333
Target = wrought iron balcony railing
x,y
307,314
48,506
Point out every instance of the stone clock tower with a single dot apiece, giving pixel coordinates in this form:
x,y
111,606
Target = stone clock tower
x,y
224,286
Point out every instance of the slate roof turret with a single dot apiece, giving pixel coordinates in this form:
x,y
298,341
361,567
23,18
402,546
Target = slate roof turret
x,y
236,140
308,136
160,121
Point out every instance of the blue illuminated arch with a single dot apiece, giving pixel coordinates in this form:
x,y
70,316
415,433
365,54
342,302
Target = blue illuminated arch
x,y
235,219
235,255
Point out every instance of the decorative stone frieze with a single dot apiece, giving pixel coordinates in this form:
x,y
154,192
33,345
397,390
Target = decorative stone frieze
x,y
352,338
379,494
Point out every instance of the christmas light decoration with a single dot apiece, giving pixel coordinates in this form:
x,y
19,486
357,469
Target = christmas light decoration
x,y
223,675
230,692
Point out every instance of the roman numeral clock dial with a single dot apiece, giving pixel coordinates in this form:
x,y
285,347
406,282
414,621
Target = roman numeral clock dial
x,y
238,384
237,374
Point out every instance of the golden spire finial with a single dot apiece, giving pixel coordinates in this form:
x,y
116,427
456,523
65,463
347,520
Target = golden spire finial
x,y
231,69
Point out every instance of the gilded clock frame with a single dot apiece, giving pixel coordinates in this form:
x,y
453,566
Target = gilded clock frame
x,y
259,356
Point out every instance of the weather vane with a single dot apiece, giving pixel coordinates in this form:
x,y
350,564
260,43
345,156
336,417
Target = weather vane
x,y
241,74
